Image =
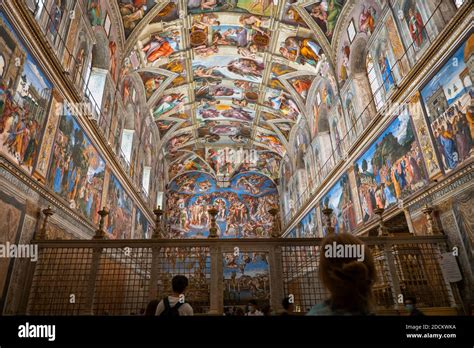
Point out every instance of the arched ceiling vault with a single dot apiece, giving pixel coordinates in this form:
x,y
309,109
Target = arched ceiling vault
x,y
228,73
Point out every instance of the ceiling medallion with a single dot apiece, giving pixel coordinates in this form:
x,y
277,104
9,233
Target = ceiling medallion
x,y
198,38
251,96
261,40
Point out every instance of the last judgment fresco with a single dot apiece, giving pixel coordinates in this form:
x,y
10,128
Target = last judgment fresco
x,y
242,207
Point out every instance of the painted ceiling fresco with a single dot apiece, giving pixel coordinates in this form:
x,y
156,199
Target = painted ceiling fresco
x,y
227,73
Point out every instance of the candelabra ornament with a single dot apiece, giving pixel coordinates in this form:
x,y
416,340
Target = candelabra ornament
x,y
327,212
42,234
158,232
382,229
276,226
100,233
432,227
213,230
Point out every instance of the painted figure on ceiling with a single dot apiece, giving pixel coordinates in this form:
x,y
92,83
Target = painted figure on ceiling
x,y
208,5
302,86
132,12
346,53
246,67
367,20
320,15
310,50
301,50
254,22
263,4
334,9
159,47
95,13
113,62
152,84
325,14
168,103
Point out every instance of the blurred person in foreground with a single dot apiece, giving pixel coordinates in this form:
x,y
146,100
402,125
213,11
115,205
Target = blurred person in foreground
x,y
348,278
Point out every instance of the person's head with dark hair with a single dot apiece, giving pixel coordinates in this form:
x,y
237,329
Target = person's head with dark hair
x,y
179,283
349,278
151,307
267,310
252,306
410,306
287,305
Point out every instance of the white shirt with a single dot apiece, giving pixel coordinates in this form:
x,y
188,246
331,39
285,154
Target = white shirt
x,y
184,310
257,313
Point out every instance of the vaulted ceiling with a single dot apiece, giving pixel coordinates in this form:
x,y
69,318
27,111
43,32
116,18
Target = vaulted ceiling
x,y
228,73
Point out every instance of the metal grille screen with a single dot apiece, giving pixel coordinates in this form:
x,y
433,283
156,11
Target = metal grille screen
x,y
114,279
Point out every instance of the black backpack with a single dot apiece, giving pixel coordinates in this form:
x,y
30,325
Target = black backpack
x,y
170,311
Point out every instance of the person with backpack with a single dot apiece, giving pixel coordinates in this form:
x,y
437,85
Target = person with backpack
x,y
175,305
151,308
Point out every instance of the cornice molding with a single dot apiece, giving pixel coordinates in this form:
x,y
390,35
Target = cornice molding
x,y
460,179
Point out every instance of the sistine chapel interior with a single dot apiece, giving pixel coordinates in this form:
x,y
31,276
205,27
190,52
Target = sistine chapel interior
x,y
225,141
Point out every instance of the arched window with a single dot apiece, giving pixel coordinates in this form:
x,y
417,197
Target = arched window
x,y
146,179
99,69
96,86
126,145
374,82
